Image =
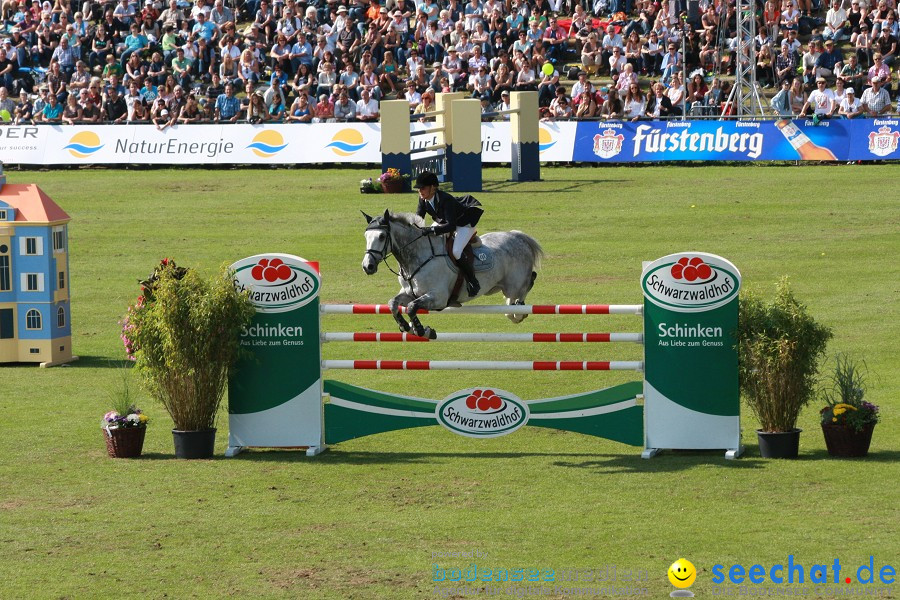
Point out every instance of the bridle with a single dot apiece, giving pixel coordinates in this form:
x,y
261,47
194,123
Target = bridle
x,y
382,255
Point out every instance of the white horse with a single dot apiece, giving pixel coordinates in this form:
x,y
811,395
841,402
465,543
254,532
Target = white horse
x,y
427,277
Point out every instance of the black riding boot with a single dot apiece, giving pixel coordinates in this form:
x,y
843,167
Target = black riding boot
x,y
466,265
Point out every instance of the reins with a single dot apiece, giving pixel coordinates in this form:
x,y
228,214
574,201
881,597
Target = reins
x,y
389,250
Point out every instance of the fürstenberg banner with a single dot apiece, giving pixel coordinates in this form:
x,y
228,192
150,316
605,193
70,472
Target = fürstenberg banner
x,y
578,141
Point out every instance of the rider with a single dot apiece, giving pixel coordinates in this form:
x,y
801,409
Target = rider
x,y
451,214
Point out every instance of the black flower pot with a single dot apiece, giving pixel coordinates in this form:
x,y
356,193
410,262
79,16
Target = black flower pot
x,y
194,444
779,444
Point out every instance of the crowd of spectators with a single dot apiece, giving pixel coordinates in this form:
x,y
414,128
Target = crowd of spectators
x,y
116,61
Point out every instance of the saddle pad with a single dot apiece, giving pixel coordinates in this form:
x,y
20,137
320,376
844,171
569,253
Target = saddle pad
x,y
484,259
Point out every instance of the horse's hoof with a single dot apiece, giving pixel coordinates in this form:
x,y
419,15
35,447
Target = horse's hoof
x,y
429,333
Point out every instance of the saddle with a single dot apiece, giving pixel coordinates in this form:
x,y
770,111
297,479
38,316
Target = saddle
x,y
468,256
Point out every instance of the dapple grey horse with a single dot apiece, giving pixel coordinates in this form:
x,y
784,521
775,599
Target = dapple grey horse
x,y
426,275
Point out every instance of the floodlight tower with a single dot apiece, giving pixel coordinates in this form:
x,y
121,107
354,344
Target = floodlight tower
x,y
745,96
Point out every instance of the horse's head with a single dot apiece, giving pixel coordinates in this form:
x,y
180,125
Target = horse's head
x,y
378,241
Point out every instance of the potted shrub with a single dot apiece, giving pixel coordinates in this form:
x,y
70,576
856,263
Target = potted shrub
x,y
780,346
847,419
183,333
125,426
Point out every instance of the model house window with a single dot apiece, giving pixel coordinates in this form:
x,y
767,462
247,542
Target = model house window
x,y
33,319
5,280
2,215
62,280
33,282
59,239
32,246
60,317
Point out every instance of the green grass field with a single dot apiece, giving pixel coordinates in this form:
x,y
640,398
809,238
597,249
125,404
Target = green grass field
x,y
362,520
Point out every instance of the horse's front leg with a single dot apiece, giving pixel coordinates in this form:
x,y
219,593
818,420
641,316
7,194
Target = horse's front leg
x,y
425,301
394,304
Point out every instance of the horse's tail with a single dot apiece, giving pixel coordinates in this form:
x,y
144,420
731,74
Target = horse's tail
x,y
537,253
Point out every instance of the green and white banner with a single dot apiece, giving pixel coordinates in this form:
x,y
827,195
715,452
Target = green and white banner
x,y
273,400
691,398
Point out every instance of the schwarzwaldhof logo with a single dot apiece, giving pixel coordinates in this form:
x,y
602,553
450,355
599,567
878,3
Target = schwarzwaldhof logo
x,y
690,282
482,412
276,282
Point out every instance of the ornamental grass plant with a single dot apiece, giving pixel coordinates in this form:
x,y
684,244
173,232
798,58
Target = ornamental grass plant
x,y
183,332
780,346
844,393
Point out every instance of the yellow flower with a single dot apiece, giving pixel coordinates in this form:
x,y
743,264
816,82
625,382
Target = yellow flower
x,y
144,418
833,420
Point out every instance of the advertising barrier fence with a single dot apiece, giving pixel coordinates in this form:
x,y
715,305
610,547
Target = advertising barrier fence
x,y
559,141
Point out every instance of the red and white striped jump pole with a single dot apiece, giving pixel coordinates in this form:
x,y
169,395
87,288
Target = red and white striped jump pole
x,y
514,309
484,337
483,365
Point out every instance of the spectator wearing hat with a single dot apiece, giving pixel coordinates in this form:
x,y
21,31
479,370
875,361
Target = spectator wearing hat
x,y
820,102
875,100
24,110
583,84
886,44
830,62
850,107
781,102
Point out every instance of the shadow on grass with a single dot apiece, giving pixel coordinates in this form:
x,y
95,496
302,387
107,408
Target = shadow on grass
x,y
668,461
100,362
339,457
171,456
885,456
565,185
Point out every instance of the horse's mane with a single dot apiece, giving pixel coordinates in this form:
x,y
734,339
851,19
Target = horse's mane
x,y
411,219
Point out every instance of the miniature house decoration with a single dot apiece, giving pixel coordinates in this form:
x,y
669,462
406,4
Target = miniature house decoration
x,y
35,323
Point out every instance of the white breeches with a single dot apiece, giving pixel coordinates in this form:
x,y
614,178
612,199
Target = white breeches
x,y
464,233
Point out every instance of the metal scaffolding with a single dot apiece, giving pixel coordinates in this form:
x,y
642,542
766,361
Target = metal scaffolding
x,y
745,96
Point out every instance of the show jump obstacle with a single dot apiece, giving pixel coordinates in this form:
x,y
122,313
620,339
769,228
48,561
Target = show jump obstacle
x,y
454,152
277,397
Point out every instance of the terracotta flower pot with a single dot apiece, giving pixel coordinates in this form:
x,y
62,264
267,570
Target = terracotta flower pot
x,y
845,442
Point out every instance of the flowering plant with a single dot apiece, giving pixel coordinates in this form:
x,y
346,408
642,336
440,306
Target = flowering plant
x,y
392,174
844,396
124,413
183,333
133,418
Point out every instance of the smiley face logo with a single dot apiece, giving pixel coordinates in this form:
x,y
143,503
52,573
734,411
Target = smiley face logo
x,y
682,573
